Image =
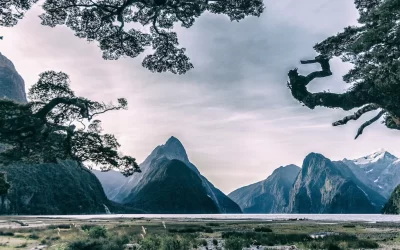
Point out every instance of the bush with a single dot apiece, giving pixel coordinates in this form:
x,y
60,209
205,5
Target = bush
x,y
87,227
204,243
213,224
33,236
349,226
170,243
151,243
60,226
215,242
192,229
263,229
6,233
234,243
93,244
97,232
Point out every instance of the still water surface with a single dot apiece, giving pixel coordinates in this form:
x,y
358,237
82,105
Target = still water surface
x,y
261,217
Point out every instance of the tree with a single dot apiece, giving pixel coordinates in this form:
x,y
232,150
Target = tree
x,y
107,21
56,125
373,48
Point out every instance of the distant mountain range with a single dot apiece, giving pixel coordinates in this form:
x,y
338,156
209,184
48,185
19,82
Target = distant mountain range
x,y
170,183
323,186
167,175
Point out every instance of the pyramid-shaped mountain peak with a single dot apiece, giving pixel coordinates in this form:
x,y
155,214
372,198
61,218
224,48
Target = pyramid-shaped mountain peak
x,y
173,149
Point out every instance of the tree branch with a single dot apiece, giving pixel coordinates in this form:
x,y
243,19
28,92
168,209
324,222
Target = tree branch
x,y
346,101
356,115
83,105
367,123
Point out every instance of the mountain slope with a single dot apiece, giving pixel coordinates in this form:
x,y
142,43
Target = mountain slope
x,y
109,179
63,188
267,196
379,170
172,149
12,85
174,188
393,205
326,187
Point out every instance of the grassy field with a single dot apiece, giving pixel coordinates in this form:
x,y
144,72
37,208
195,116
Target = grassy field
x,y
156,234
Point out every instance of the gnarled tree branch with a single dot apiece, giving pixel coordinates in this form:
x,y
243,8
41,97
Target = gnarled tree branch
x,y
356,115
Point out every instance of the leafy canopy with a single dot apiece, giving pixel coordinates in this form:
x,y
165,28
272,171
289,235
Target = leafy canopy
x,y
57,125
115,24
373,48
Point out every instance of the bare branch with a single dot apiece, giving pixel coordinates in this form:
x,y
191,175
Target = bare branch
x,y
367,123
356,115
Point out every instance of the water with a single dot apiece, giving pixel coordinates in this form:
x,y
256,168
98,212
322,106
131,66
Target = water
x,y
261,217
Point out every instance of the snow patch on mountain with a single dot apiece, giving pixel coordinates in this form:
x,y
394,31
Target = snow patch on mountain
x,y
374,157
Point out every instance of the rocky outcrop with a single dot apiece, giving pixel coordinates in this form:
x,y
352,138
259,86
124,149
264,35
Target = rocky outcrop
x,y
326,187
12,85
63,188
270,195
393,205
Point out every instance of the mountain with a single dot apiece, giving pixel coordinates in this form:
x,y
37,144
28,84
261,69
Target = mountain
x,y
323,186
109,179
267,196
393,205
63,188
12,85
171,150
379,170
174,189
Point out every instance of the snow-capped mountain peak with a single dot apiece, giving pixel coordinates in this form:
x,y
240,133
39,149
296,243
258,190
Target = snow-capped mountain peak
x,y
381,154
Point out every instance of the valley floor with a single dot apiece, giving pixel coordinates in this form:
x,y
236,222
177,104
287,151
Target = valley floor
x,y
186,234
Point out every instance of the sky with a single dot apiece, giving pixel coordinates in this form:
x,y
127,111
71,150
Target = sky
x,y
233,112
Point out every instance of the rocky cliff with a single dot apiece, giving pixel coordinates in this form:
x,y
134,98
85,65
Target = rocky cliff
x,y
326,187
12,85
393,205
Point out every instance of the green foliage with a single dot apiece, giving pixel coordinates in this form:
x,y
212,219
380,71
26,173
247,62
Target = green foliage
x,y
151,243
235,243
2,233
93,244
372,48
87,227
235,240
60,226
110,22
263,229
191,229
174,243
33,236
97,232
44,130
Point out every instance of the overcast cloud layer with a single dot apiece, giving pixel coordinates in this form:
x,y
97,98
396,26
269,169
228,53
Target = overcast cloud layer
x,y
233,111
